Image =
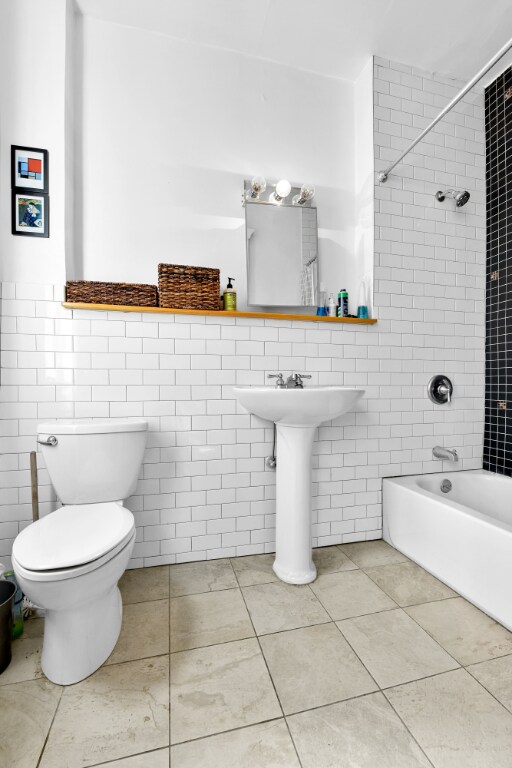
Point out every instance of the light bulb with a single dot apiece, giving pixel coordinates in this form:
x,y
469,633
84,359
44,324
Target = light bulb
x,y
258,185
307,192
283,188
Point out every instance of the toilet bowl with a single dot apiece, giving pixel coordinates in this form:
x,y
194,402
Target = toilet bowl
x,y
70,561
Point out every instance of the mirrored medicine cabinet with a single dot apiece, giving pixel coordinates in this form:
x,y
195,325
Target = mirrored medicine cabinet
x,y
281,245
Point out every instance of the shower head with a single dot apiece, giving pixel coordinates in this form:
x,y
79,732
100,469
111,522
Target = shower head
x,y
460,197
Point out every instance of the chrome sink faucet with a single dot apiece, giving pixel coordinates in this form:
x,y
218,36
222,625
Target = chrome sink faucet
x,y
446,454
294,380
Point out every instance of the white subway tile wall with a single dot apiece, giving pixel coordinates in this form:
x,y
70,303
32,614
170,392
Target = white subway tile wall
x,y
204,491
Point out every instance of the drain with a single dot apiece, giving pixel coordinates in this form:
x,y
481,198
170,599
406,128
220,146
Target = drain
x,y
446,486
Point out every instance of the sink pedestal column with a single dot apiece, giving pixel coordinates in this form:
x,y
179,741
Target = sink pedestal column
x,y
294,563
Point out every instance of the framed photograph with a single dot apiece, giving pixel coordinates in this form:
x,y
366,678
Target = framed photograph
x,y
29,169
30,214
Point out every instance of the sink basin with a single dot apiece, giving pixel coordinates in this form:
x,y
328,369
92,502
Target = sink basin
x,y
296,414
298,407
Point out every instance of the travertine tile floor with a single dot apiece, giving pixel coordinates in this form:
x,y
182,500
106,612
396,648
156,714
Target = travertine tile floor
x,y
374,665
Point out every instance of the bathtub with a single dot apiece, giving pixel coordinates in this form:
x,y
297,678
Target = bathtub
x,y
464,536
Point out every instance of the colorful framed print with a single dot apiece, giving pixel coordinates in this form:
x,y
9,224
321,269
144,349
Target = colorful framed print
x,y
29,168
30,214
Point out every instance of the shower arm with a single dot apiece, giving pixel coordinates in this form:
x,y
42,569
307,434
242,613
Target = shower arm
x,y
383,175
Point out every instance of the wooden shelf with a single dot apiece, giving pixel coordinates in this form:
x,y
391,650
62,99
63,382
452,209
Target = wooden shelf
x,y
216,313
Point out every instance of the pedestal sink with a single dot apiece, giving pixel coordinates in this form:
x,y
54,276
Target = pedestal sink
x,y
296,413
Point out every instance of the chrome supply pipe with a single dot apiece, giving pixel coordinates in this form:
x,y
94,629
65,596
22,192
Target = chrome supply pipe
x,y
383,175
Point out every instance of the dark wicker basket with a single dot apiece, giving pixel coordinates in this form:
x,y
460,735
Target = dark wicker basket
x,y
182,287
127,294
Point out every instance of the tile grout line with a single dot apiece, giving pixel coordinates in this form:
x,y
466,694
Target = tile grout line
x,y
50,727
269,673
507,710
128,757
380,690
222,733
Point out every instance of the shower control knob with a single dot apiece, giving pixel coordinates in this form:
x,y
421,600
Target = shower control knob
x,y
440,390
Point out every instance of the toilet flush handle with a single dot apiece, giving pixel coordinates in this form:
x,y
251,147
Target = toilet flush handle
x,y
51,440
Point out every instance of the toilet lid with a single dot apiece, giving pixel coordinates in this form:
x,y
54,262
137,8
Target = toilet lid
x,y
72,535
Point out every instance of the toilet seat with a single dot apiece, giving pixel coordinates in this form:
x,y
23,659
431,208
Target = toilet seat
x,y
73,540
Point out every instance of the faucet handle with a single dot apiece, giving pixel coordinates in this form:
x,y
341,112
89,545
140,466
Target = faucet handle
x,y
278,376
299,376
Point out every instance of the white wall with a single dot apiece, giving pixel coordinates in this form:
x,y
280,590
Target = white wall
x,y
170,130
204,491
363,254
32,104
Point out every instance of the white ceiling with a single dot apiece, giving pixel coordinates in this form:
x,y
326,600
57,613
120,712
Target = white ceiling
x,y
330,37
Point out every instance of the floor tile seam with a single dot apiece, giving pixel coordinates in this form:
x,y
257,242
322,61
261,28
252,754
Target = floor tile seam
x,y
419,679
199,648
294,629
339,546
403,611
437,642
412,605
507,710
263,657
362,696
208,592
118,663
205,592
395,604
212,645
38,763
360,615
357,655
141,602
42,676
293,742
227,730
485,661
126,757
411,734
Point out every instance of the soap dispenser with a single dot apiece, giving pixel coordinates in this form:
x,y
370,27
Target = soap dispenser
x,y
230,296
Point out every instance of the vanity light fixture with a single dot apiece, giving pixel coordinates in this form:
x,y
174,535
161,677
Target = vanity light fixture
x,y
307,192
282,190
258,185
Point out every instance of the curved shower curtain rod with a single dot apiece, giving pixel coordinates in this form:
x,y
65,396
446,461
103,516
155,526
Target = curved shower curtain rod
x,y
383,175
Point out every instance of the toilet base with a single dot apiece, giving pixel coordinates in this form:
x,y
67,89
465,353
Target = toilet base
x,y
77,642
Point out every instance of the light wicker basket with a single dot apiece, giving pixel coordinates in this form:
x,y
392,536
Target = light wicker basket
x,y
127,294
182,287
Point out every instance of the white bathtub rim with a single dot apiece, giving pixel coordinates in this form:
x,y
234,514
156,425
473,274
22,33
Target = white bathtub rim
x,y
409,484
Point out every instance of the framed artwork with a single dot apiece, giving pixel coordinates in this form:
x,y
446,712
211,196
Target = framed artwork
x,y
30,214
29,169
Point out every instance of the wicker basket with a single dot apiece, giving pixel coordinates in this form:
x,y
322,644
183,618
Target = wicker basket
x,y
181,287
127,294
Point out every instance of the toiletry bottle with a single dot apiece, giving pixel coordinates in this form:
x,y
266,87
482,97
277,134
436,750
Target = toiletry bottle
x,y
338,311
343,308
332,306
321,302
362,309
17,611
230,296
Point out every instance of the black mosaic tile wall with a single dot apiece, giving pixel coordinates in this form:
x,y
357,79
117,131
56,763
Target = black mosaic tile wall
x,y
498,374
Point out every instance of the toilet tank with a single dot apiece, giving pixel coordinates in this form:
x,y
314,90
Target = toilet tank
x,y
94,461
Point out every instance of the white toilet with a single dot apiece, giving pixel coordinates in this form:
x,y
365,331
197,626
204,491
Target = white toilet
x,y
69,562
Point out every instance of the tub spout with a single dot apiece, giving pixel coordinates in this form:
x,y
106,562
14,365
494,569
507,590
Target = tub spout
x,y
446,454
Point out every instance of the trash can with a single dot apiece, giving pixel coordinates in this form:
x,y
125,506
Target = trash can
x,y
7,592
